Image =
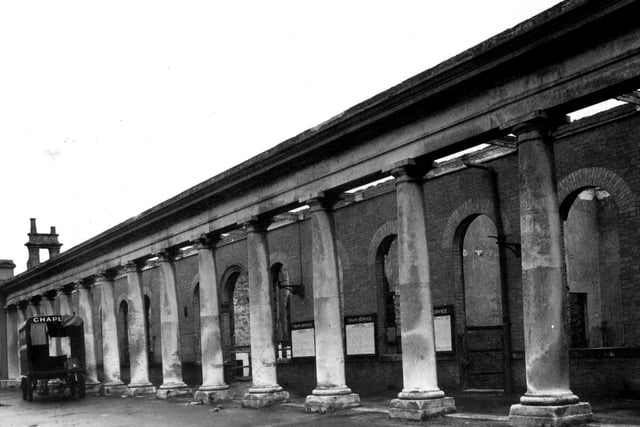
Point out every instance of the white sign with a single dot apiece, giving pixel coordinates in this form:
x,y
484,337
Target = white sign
x,y
442,326
361,338
303,343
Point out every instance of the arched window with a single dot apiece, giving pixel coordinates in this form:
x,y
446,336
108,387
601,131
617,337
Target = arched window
x,y
592,255
281,309
387,277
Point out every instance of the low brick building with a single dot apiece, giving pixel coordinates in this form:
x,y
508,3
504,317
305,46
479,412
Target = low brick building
x,y
511,268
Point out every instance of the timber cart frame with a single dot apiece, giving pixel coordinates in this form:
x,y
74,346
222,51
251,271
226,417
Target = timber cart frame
x,y
52,355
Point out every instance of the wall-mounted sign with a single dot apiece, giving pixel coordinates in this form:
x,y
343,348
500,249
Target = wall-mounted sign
x,y
443,325
303,342
360,333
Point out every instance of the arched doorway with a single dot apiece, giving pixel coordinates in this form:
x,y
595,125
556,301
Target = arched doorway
x,y
123,311
389,297
592,256
236,334
195,308
483,364
281,310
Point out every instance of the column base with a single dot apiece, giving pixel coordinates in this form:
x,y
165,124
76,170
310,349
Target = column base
x,y
93,387
550,416
167,391
140,389
421,409
256,399
208,394
114,387
13,383
323,402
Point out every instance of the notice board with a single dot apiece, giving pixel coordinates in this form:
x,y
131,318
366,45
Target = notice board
x,y
303,339
360,334
443,325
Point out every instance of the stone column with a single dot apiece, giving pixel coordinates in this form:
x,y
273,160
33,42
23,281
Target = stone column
x,y
265,390
548,399
213,387
33,306
110,353
331,392
65,303
22,313
85,311
172,382
420,397
138,356
13,361
48,302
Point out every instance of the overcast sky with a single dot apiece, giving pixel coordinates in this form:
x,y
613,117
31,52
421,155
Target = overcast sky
x,y
109,108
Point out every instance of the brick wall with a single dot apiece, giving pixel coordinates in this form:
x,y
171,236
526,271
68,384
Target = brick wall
x,y
593,152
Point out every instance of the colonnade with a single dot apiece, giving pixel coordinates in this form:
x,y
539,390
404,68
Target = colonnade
x,y
548,394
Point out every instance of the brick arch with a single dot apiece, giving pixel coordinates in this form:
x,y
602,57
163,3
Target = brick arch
x,y
227,272
471,207
343,255
122,296
279,257
387,229
192,286
578,180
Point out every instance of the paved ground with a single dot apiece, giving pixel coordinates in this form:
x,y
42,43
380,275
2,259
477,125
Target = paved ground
x,y
473,410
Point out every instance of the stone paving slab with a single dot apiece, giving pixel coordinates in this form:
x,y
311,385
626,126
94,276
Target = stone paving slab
x,y
116,411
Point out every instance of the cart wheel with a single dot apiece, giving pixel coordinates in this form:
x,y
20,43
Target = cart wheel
x,y
30,387
24,387
71,380
82,388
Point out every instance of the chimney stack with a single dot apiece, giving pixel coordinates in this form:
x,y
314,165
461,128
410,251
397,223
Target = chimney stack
x,y
39,241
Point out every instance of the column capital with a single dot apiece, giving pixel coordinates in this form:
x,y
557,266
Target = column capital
x,y
81,284
322,201
407,170
51,294
255,224
66,289
11,307
166,255
103,276
34,299
206,241
536,121
133,267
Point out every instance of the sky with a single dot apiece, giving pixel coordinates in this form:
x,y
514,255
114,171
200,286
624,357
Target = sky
x,y
109,108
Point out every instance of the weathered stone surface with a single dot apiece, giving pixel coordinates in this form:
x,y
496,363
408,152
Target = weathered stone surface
x,y
263,350
260,400
550,416
115,388
209,396
421,409
324,404
167,392
135,390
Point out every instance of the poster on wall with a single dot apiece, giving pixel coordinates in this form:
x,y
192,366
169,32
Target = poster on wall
x,y
303,343
360,333
443,324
